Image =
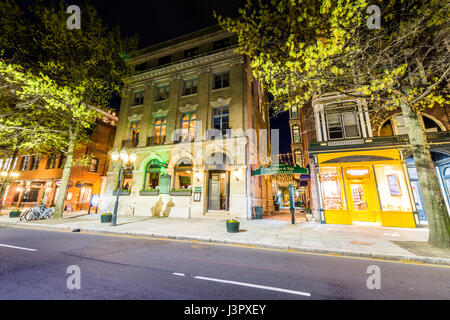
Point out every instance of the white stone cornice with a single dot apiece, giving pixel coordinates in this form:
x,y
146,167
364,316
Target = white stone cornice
x,y
220,102
215,58
135,117
188,108
160,113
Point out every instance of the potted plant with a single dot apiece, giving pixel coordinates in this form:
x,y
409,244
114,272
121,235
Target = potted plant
x,y
106,217
232,225
180,192
15,213
149,192
122,192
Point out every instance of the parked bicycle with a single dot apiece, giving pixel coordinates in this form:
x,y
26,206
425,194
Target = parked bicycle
x,y
37,213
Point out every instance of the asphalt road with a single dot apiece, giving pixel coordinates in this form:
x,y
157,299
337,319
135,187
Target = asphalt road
x,y
34,263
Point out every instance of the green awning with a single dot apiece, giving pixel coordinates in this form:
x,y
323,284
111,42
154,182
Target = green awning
x,y
280,168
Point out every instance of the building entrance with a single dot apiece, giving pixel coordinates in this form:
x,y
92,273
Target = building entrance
x,y
218,192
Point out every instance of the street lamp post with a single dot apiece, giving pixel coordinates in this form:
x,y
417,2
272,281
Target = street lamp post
x,y
123,160
5,178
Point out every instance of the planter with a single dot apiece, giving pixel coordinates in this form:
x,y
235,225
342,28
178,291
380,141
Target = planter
x,y
181,193
149,193
14,214
106,218
122,193
232,226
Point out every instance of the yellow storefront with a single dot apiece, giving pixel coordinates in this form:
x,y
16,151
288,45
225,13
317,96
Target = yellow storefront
x,y
365,186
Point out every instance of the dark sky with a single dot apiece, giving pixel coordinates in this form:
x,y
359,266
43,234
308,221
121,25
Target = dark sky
x,y
156,21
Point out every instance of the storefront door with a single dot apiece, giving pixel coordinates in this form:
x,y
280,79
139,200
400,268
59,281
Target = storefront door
x,y
360,194
218,190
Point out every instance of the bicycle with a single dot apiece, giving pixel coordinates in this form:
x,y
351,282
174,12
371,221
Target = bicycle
x,y
37,213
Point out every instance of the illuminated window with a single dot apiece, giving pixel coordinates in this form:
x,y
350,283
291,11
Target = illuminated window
x,y
188,126
294,112
133,133
159,130
25,163
392,188
331,188
296,137
183,174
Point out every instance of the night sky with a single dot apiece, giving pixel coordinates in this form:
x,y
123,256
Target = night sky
x,y
156,21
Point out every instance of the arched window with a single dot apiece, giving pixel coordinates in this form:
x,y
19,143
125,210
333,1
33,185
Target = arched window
x,y
183,174
395,125
152,173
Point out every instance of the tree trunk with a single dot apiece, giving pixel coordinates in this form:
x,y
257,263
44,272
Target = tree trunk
x,y
59,207
433,201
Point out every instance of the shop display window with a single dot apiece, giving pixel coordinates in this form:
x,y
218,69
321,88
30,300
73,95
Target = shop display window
x,y
331,188
392,188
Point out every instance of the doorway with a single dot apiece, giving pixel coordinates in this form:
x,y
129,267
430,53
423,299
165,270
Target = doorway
x,y
218,191
361,196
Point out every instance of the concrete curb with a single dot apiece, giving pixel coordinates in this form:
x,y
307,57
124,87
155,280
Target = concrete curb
x,y
300,249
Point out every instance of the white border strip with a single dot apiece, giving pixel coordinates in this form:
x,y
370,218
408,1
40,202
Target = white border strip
x,y
14,247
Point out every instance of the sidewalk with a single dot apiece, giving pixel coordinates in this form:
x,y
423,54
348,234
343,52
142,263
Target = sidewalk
x,y
361,241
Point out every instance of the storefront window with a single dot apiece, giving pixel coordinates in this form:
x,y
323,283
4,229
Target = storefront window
x,y
183,174
392,188
331,188
127,180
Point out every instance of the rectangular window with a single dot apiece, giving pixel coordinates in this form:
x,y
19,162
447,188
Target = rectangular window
x,y
191,52
221,119
141,66
296,137
190,86
94,165
35,162
133,134
51,161
138,98
7,164
392,188
62,161
188,126
219,44
221,80
331,188
294,112
342,121
162,92
25,163
159,131
164,60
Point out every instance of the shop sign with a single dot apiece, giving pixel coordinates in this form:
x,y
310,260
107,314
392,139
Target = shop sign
x,y
198,189
95,200
280,168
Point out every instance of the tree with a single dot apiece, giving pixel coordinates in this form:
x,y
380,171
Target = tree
x,y
84,63
301,48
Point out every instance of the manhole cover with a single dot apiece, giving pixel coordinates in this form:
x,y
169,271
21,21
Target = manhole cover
x,y
360,243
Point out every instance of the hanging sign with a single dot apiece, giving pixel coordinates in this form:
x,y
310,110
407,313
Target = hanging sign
x,y
280,168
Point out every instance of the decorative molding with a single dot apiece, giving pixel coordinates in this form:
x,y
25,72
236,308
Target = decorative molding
x,y
188,107
149,84
135,117
220,102
160,113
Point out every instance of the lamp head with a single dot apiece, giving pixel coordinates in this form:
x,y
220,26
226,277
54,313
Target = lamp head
x,y
124,155
115,155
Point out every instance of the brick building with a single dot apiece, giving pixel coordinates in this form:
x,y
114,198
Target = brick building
x,y
40,175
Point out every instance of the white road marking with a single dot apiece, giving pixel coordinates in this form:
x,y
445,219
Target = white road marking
x,y
244,284
179,274
14,247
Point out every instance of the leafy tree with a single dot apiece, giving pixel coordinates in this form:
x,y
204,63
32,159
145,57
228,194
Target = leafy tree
x,y
301,48
64,77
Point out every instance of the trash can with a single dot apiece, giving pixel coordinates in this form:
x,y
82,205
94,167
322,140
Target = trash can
x,y
277,207
258,212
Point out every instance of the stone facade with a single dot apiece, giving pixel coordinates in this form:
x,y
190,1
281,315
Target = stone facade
x,y
193,128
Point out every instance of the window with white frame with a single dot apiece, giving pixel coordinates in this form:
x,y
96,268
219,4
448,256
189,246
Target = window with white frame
x,y
294,112
296,136
342,121
25,163
35,160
